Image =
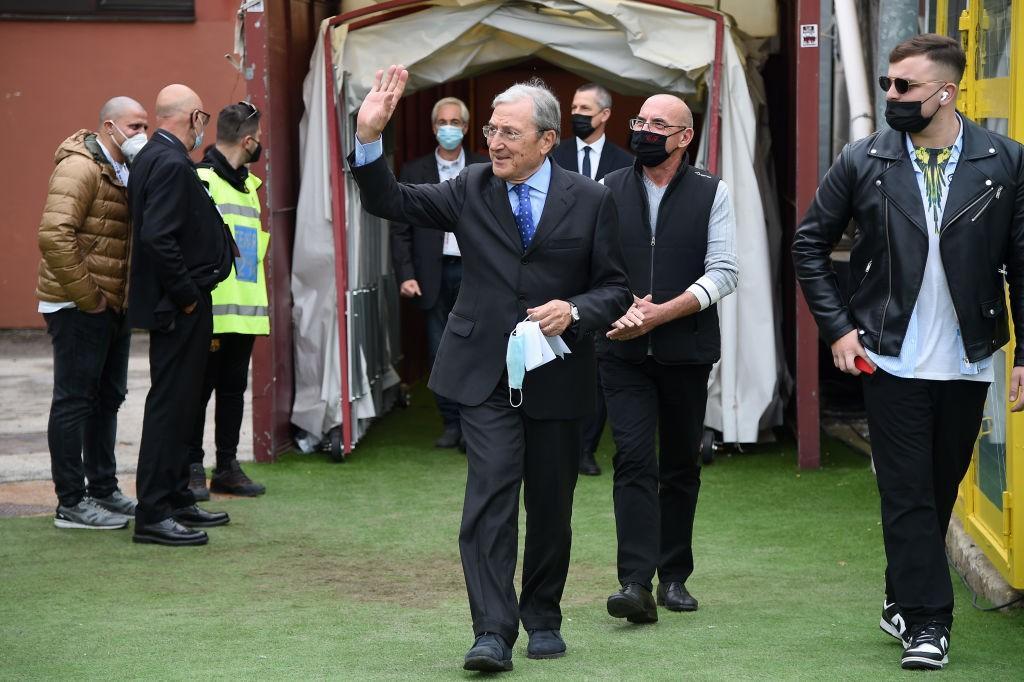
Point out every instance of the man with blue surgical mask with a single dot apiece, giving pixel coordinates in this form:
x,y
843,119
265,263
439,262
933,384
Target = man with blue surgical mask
x,y
428,263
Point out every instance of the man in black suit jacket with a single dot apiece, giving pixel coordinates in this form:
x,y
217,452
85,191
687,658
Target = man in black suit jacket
x,y
536,241
428,263
182,249
589,153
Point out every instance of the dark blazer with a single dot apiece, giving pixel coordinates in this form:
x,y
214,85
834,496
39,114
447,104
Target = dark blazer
x,y
613,157
416,252
575,255
181,247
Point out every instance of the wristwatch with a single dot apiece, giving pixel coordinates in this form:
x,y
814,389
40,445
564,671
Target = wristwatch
x,y
574,312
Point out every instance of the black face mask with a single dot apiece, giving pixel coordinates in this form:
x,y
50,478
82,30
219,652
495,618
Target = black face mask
x,y
906,117
649,147
581,126
255,156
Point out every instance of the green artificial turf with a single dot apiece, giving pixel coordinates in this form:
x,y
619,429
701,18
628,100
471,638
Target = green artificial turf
x,y
352,571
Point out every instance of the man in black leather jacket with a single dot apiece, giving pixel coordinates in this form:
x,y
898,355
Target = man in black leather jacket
x,y
938,205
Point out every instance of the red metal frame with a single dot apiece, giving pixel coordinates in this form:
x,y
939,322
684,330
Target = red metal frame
x,y
393,9
806,83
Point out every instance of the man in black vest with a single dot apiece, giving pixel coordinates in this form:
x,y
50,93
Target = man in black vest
x,y
678,238
181,250
428,263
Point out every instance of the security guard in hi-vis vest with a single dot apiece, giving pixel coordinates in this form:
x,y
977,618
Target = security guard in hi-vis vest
x,y
239,303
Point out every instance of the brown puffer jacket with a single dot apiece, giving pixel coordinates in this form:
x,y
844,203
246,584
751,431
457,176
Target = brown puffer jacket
x,y
85,232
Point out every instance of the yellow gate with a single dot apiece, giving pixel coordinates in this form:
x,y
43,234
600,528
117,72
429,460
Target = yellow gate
x,y
991,503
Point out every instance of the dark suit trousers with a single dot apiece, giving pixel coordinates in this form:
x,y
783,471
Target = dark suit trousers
x,y
504,449
177,366
437,318
655,496
593,425
922,440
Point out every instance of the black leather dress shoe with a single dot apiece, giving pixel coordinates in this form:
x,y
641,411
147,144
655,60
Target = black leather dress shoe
x,y
168,532
450,438
194,517
635,603
588,465
545,644
675,597
490,654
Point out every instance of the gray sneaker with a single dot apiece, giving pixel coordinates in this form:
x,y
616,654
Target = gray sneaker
x,y
89,515
117,502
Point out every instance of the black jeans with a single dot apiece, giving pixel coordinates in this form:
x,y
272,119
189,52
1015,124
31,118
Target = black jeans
x,y
505,449
437,318
177,364
655,495
922,440
90,379
227,373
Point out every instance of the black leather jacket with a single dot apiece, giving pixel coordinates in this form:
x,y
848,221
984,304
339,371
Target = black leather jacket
x,y
982,241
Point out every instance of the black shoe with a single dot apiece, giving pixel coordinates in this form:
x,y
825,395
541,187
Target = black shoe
x,y
450,438
635,603
674,597
545,644
892,622
168,532
233,481
197,482
588,465
490,654
194,517
927,647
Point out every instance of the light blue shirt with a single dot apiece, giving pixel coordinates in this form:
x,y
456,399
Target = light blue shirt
x,y
539,182
932,347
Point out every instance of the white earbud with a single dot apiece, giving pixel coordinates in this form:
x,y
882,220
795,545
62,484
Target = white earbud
x,y
944,97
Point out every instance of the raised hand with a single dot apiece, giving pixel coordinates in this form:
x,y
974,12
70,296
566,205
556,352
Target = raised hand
x,y
380,103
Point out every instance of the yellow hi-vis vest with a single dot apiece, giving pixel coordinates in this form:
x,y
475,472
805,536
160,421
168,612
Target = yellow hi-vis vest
x,y
240,301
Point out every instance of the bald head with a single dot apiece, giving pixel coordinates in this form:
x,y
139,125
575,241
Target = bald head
x,y
179,111
118,107
666,121
121,118
671,108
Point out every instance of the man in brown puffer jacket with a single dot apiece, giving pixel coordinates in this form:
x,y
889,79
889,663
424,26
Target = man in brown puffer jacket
x,y
85,241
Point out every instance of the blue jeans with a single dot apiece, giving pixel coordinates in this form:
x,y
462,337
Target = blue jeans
x,y
437,318
90,381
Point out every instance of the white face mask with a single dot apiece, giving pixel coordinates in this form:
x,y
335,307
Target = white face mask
x,y
131,145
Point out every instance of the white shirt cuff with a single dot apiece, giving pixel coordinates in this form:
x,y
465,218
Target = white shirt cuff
x,y
705,291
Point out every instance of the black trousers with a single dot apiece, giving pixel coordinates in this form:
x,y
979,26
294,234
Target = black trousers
x,y
437,318
655,495
177,364
90,379
922,439
593,425
227,373
506,449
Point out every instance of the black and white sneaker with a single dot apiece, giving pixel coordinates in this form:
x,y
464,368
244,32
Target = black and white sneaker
x,y
927,648
892,622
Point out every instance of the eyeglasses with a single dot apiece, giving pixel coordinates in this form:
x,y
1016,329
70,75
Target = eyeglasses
x,y
507,134
902,84
254,112
657,125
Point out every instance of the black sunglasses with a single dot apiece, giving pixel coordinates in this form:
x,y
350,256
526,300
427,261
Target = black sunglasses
x,y
902,84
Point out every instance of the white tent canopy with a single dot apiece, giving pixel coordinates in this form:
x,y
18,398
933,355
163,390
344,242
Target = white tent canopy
x,y
630,47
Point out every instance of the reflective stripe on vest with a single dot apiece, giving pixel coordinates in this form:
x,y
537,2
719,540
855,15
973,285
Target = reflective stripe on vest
x,y
240,303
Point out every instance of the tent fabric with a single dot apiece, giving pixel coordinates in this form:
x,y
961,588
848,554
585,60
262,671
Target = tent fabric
x,y
632,48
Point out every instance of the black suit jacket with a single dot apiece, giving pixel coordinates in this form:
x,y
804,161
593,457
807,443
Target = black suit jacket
x,y
415,251
181,247
575,255
613,157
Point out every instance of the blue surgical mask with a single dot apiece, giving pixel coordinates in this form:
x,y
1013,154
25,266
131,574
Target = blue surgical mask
x,y
449,137
515,363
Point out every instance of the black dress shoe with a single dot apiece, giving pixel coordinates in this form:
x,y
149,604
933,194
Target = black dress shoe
x,y
588,465
194,517
545,644
450,438
490,654
168,532
635,603
674,597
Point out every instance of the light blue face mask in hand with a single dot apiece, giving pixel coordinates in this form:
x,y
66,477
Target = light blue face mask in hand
x,y
515,363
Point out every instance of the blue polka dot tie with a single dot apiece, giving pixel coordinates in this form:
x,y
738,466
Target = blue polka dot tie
x,y
524,215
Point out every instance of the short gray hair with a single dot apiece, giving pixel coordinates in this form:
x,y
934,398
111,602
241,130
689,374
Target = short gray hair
x,y
547,115
115,106
463,109
601,94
